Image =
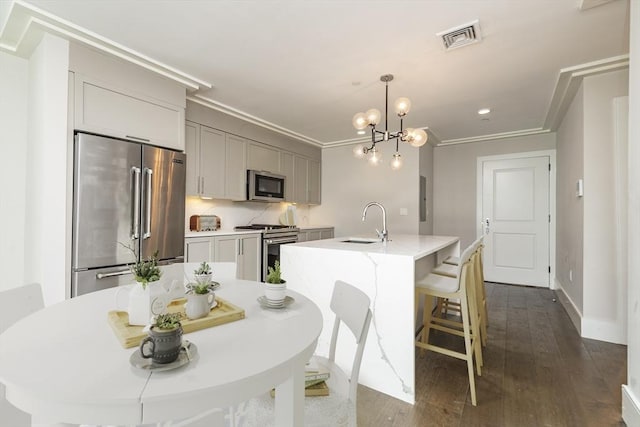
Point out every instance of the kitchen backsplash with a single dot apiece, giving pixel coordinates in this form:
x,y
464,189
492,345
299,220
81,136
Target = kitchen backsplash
x,y
233,214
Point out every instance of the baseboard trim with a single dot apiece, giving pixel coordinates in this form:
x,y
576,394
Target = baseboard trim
x,y
630,407
569,306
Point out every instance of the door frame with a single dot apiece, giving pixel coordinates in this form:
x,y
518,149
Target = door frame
x,y
552,199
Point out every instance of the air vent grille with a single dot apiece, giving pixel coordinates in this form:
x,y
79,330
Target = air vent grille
x,y
462,35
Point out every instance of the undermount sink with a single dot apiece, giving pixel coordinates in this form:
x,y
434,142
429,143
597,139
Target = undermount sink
x,y
360,240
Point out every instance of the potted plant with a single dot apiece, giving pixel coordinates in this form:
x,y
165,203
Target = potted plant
x,y
165,339
146,270
275,287
203,274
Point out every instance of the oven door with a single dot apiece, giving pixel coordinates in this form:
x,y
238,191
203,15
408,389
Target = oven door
x,y
271,251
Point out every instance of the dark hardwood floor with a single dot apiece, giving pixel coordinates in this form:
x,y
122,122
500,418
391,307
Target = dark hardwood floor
x,y
537,372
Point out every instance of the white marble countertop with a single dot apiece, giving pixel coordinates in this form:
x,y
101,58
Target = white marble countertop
x,y
223,232
414,245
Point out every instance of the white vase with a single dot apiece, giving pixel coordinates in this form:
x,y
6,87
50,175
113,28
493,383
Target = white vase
x,y
199,305
144,303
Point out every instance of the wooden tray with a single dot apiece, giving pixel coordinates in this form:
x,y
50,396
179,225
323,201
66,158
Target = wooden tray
x,y
131,336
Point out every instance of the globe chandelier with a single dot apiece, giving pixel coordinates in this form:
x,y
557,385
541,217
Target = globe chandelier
x,y
371,118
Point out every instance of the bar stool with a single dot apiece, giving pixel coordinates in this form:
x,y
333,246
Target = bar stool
x,y
447,268
463,289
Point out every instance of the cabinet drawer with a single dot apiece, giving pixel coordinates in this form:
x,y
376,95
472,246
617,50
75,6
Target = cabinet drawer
x,y
112,112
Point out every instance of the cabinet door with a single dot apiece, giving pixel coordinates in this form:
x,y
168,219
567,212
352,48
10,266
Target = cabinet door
x,y
212,162
326,233
198,249
236,168
113,111
286,169
314,235
313,182
191,143
251,253
263,158
300,169
226,249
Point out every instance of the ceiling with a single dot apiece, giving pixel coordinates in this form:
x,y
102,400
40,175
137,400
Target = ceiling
x,y
308,66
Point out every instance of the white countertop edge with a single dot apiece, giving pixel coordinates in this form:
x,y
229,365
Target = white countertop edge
x,y
314,227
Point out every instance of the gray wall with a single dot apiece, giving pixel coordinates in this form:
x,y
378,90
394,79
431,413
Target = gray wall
x,y
569,208
426,170
349,183
454,188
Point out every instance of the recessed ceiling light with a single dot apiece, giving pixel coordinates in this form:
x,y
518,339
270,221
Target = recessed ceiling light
x,y
483,111
361,132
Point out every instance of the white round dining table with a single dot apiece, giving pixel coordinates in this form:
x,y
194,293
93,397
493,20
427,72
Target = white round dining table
x,y
64,363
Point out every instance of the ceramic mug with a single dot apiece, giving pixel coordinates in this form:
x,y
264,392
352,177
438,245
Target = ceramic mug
x,y
162,346
199,305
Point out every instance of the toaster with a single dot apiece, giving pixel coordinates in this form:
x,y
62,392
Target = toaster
x,y
204,223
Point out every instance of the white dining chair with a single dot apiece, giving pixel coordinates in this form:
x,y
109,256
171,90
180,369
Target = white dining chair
x,y
15,304
351,307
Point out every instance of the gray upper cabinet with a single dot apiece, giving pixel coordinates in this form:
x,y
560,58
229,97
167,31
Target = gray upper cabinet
x,y
262,157
300,168
236,168
313,182
286,169
109,110
205,164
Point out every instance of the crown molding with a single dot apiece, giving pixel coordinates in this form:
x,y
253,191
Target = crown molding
x,y
25,24
493,136
226,109
569,82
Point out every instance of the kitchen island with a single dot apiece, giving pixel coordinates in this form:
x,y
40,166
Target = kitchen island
x,y
386,272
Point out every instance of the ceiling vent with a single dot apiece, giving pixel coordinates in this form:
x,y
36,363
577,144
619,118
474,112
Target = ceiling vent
x,y
461,36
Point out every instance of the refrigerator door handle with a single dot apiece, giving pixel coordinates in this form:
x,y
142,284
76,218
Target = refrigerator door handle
x,y
135,211
147,232
112,274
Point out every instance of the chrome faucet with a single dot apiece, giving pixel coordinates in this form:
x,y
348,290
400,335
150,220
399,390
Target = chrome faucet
x,y
383,235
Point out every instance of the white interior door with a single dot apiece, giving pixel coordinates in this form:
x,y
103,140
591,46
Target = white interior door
x,y
516,216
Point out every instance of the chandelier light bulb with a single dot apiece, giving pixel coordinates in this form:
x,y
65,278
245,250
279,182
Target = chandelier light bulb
x,y
419,138
396,163
408,135
402,106
360,121
358,151
373,116
375,158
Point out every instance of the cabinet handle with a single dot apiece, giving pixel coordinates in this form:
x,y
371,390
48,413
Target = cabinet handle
x,y
202,185
137,138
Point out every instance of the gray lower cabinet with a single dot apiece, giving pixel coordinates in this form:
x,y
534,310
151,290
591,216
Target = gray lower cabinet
x,y
309,234
243,249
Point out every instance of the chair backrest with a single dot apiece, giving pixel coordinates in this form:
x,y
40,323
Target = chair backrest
x,y
464,258
351,306
19,302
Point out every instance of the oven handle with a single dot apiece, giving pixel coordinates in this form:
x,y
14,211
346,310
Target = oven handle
x,y
282,240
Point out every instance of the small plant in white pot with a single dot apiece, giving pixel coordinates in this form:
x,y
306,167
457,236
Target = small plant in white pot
x,y
275,287
203,273
200,296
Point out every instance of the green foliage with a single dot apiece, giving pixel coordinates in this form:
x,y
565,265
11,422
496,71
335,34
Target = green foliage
x,y
203,269
273,274
201,288
167,321
145,271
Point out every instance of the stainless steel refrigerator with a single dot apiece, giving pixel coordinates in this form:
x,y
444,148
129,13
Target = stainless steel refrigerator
x,y
124,194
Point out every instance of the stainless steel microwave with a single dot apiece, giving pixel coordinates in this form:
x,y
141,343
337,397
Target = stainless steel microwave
x,y
265,186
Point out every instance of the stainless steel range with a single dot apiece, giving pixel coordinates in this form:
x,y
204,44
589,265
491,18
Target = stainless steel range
x,y
273,236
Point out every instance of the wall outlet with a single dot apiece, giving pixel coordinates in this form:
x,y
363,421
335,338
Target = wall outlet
x,y
571,275
404,212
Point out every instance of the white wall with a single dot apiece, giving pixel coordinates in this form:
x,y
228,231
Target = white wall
x,y
348,184
426,170
604,317
631,392
454,191
13,143
46,168
569,207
